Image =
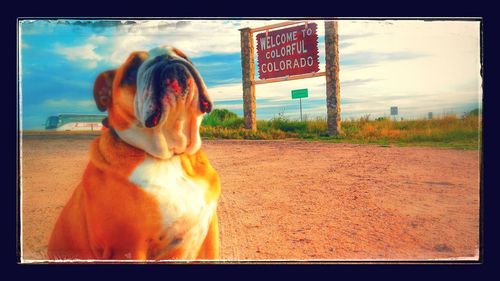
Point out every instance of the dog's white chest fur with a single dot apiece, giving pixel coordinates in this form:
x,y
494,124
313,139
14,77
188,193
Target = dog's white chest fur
x,y
186,214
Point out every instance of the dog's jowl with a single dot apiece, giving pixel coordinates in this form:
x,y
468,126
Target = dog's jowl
x,y
148,192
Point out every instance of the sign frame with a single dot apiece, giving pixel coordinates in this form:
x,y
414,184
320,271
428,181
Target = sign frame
x,y
288,51
331,73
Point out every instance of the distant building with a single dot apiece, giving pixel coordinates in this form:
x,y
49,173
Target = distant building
x,y
75,122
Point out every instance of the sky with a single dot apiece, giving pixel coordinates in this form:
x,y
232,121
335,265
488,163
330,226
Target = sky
x,y
419,66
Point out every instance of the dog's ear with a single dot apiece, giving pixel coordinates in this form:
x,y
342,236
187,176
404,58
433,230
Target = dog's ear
x,y
180,54
102,89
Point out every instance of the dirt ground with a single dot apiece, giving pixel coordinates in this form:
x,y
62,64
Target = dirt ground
x,y
295,200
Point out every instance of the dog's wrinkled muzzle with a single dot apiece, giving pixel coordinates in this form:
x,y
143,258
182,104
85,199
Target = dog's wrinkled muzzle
x,y
156,81
162,74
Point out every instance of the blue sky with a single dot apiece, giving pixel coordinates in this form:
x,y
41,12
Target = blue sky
x,y
419,66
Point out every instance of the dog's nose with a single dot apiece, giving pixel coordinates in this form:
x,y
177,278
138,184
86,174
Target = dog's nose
x,y
173,85
175,79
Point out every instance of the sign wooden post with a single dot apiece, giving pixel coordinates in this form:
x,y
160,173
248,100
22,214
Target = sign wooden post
x,y
247,67
332,78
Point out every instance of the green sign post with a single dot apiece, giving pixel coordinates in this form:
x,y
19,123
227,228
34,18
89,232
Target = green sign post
x,y
299,94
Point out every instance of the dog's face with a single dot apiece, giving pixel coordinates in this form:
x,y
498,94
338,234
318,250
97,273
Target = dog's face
x,y
155,101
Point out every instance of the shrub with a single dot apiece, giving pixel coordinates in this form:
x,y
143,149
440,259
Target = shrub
x,y
222,117
474,112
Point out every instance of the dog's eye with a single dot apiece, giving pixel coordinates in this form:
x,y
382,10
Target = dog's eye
x,y
129,77
130,74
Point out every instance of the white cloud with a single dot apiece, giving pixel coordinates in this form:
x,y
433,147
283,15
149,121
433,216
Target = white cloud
x,y
85,54
229,106
431,64
122,45
98,39
226,92
272,91
69,103
195,38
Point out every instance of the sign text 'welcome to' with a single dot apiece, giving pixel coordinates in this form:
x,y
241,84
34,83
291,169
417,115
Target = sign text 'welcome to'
x,y
289,51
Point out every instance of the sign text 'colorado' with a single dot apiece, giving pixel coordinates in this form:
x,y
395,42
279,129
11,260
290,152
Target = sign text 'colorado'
x,y
288,51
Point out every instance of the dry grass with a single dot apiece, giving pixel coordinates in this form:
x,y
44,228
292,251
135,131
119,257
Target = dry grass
x,y
447,131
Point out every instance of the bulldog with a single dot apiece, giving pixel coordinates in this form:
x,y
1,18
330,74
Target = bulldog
x,y
148,191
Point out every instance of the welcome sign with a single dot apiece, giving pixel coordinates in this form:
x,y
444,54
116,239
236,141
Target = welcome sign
x,y
288,51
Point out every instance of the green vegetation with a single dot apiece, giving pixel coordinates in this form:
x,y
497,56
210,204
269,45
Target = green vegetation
x,y
448,131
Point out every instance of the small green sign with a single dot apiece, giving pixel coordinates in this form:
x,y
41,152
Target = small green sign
x,y
300,93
